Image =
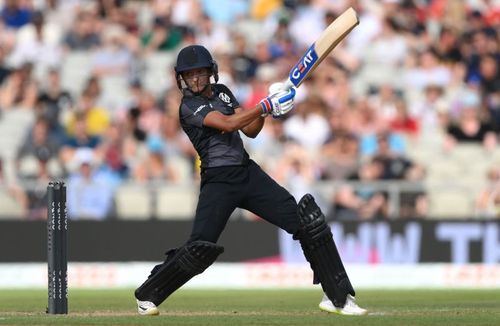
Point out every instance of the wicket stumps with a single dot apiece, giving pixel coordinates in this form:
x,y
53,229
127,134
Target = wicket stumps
x,y
57,226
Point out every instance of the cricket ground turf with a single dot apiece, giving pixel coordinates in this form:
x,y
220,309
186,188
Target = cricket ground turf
x,y
256,307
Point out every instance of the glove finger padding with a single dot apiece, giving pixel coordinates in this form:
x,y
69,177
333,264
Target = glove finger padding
x,y
285,102
286,107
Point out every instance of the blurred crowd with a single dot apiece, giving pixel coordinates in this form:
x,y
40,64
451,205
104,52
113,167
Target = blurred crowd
x,y
413,72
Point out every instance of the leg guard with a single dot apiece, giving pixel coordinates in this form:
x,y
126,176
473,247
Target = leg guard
x,y
179,267
321,252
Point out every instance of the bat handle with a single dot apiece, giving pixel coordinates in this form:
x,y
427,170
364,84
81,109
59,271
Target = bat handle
x,y
288,84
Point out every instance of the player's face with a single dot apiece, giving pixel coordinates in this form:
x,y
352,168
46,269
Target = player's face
x,y
197,79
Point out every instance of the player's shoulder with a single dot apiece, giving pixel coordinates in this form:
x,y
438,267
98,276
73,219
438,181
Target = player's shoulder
x,y
189,103
224,93
220,88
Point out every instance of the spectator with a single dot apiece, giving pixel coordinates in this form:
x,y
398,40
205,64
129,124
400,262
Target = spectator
x,y
282,43
134,138
213,36
83,35
185,14
169,102
362,118
154,167
225,12
162,36
38,43
175,141
384,98
110,10
488,200
308,126
363,202
296,170
489,72
340,156
96,118
394,165
89,192
15,13
431,112
245,66
4,70
386,54
448,46
80,138
20,89
413,203
481,44
428,71
447,49
112,58
111,150
269,146
149,115
470,128
402,122
36,193
52,101
93,88
266,74
38,145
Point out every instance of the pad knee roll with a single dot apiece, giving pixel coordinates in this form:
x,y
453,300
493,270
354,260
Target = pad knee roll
x,y
180,266
320,250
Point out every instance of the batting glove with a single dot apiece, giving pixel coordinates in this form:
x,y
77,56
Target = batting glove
x,y
279,103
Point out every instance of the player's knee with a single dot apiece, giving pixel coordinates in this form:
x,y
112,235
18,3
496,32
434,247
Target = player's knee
x,y
313,226
198,255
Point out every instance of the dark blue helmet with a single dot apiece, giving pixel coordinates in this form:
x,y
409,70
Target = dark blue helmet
x,y
193,57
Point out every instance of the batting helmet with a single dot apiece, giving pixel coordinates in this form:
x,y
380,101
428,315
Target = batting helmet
x,y
193,57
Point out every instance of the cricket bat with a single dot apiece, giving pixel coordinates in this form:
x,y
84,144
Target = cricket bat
x,y
326,42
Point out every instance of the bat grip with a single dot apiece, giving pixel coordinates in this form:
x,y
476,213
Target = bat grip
x,y
288,84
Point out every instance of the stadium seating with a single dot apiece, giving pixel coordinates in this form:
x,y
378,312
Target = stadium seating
x,y
10,207
133,202
176,202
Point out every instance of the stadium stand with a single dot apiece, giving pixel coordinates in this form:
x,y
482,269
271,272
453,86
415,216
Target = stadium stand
x,y
434,94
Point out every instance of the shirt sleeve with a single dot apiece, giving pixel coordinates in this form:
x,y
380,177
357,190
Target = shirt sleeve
x,y
195,115
224,91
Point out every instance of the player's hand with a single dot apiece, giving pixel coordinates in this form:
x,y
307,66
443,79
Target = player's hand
x,y
277,87
279,103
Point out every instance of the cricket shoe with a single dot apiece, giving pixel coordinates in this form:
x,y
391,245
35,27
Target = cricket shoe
x,y
147,308
350,308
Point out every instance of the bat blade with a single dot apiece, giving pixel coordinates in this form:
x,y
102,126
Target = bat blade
x,y
326,42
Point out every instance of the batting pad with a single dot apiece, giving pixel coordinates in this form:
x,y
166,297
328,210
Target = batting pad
x,y
184,263
320,250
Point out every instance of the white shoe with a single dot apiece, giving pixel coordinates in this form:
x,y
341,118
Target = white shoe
x,y
350,308
147,308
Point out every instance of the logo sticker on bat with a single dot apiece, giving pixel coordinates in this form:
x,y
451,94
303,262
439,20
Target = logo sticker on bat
x,y
303,66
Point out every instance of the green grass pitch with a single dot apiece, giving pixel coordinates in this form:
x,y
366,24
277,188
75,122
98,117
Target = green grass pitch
x,y
256,307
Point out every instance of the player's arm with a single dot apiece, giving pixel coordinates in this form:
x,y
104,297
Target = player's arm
x,y
249,120
253,128
229,123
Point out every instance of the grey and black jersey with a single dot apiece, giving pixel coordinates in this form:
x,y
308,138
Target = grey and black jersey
x,y
215,148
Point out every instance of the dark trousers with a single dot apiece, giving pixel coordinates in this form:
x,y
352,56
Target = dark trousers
x,y
224,189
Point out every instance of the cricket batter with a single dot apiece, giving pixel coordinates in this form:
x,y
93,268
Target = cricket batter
x,y
211,117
